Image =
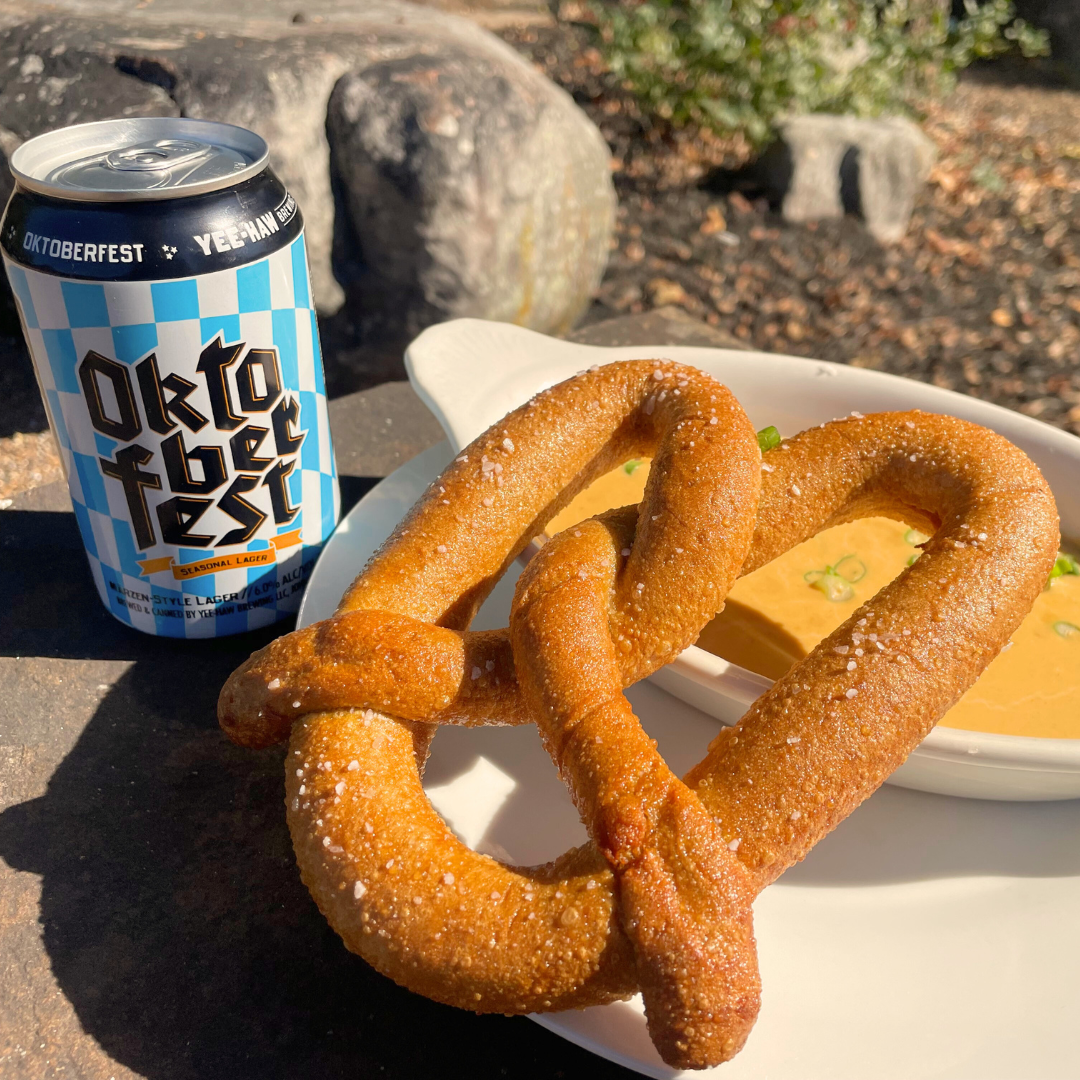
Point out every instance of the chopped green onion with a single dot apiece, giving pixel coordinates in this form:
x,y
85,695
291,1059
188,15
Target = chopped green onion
x,y
768,438
1066,629
1063,565
915,538
853,573
913,559
631,466
831,584
835,583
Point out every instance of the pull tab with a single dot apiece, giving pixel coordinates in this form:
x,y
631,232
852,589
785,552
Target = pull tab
x,y
157,156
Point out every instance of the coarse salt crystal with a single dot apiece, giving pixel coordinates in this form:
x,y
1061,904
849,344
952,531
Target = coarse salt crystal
x,y
358,890
339,787
476,673
734,845
273,684
354,765
850,693
448,878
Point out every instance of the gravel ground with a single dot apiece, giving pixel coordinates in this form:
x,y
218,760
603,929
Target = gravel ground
x,y
27,461
981,296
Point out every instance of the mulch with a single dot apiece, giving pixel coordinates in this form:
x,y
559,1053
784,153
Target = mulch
x,y
981,296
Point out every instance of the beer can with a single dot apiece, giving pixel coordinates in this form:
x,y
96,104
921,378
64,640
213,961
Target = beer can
x,y
160,273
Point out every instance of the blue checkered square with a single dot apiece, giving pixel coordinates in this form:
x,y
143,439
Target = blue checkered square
x,y
60,350
85,304
175,300
253,287
131,343
19,286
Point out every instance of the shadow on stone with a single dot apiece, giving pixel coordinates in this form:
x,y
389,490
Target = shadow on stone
x,y
850,197
44,574
20,399
178,929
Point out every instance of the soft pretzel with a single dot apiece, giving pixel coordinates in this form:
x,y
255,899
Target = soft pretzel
x,y
666,906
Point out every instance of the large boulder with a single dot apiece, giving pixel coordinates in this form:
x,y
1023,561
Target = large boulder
x,y
514,226
471,188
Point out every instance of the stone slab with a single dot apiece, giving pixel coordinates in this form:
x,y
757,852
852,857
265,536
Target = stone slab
x,y
664,325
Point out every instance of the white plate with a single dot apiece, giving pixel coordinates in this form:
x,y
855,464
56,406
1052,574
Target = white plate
x,y
927,937
471,373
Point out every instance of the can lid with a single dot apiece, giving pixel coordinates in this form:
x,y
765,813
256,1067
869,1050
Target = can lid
x,y
144,158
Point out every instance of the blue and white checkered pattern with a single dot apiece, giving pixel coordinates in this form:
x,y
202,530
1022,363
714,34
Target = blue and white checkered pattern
x,y
264,304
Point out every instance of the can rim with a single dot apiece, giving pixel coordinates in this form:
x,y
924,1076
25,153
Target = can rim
x,y
44,152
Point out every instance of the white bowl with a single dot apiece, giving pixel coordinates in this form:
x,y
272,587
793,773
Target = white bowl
x,y
470,373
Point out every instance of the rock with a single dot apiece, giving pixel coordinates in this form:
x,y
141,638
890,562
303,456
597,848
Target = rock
x,y
473,186
826,165
44,84
253,65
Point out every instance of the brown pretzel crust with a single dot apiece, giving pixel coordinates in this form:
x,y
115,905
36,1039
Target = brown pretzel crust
x,y
806,754
464,929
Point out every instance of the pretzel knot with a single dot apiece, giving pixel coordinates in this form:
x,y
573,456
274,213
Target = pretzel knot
x,y
660,899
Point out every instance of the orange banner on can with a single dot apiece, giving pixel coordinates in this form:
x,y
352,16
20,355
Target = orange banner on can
x,y
238,559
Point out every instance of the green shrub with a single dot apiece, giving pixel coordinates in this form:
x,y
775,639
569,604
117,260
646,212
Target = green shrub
x,y
742,65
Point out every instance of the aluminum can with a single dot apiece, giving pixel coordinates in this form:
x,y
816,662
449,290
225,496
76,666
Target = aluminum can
x,y
161,277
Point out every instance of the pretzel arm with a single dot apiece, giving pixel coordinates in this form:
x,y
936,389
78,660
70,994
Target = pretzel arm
x,y
683,897
374,660
828,733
